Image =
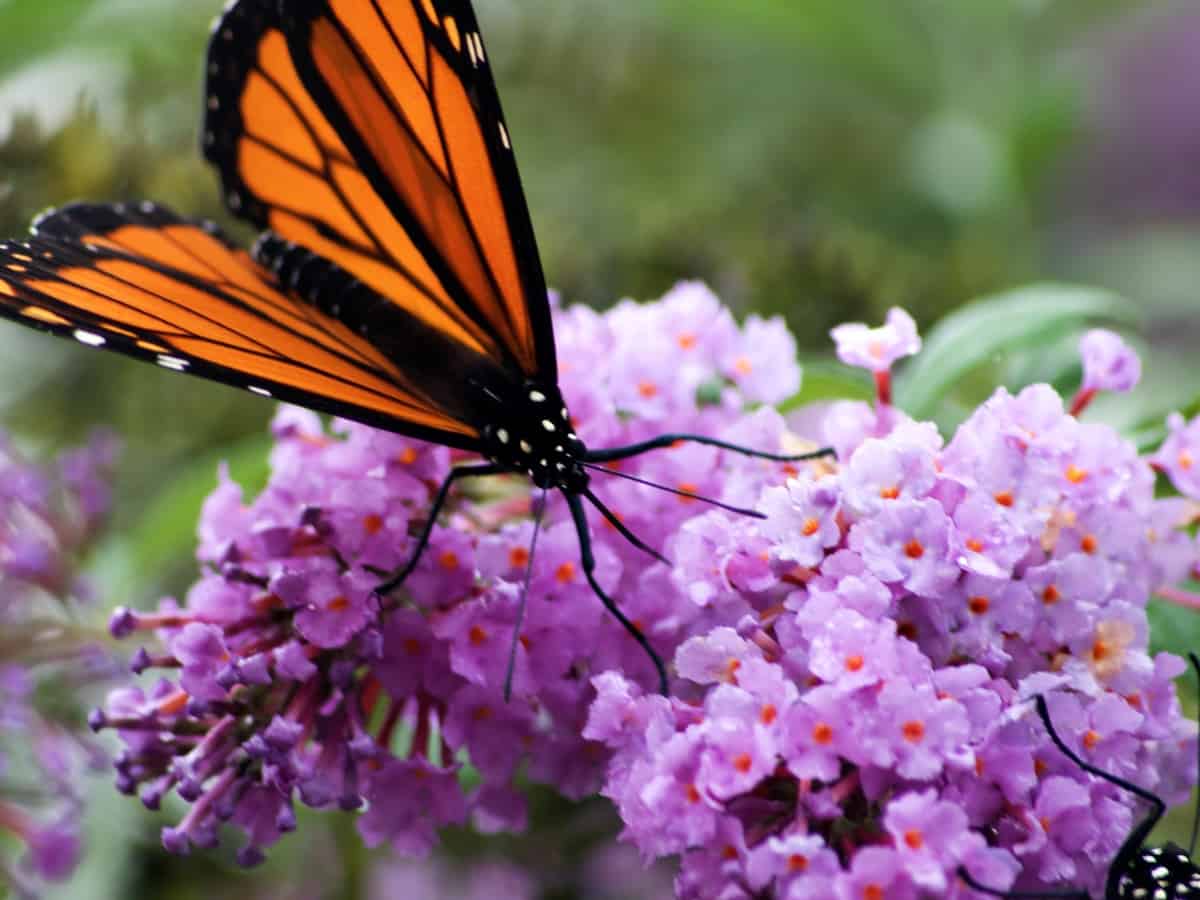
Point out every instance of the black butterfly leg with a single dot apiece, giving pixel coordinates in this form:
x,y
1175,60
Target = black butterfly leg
x,y
1137,837
666,440
589,567
621,529
1020,895
435,509
1195,660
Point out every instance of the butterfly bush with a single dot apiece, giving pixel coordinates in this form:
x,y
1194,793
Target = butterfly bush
x,y
849,709
50,516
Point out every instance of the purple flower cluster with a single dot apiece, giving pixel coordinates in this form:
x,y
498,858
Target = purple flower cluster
x,y
283,678
50,516
860,726
852,673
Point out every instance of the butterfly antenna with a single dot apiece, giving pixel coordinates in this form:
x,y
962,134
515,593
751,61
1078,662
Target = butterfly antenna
x,y
666,440
1196,813
622,529
589,567
740,510
539,511
1137,837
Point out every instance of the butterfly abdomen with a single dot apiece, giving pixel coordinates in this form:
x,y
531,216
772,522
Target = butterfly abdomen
x,y
317,280
1165,872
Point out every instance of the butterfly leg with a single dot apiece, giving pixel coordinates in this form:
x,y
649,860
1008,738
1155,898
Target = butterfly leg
x,y
1020,895
589,568
1137,837
666,440
394,580
1195,661
621,529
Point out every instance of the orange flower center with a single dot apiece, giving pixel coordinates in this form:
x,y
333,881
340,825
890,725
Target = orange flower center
x,y
797,862
1004,498
448,560
913,731
768,714
854,663
477,635
338,603
914,549
822,733
742,762
1088,543
647,389
1076,475
889,493
565,573
1051,595
372,523
810,527
913,839
518,557
978,604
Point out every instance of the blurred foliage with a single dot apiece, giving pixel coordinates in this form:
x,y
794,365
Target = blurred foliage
x,y
822,159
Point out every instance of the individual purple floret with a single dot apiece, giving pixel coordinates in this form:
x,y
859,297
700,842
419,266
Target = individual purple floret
x,y
1109,364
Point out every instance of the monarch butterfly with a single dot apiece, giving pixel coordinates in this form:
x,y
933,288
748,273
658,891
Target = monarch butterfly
x,y
396,281
1137,871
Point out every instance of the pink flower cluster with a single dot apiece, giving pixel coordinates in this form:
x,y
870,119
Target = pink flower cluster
x,y
864,729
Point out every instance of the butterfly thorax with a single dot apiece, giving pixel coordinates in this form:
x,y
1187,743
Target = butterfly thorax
x,y
531,432
1161,873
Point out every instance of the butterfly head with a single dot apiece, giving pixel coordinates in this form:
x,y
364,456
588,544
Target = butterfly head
x,y
531,432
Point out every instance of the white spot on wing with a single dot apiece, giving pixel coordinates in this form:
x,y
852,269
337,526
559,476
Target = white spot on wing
x,y
87,337
172,362
504,137
547,424
262,392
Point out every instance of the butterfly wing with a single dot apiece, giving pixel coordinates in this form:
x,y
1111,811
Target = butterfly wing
x,y
150,284
371,133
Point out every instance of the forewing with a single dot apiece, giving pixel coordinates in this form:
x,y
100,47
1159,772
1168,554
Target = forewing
x,y
149,284
371,133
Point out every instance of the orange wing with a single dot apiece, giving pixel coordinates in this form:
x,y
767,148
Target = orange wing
x,y
371,134
147,283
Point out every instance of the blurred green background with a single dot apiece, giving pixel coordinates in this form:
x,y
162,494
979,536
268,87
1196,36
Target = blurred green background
x,y
820,159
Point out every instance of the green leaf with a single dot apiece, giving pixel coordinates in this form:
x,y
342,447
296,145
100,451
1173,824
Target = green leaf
x,y
829,381
987,328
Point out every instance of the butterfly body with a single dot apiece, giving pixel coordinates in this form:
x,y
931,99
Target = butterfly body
x,y
523,423
1160,873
